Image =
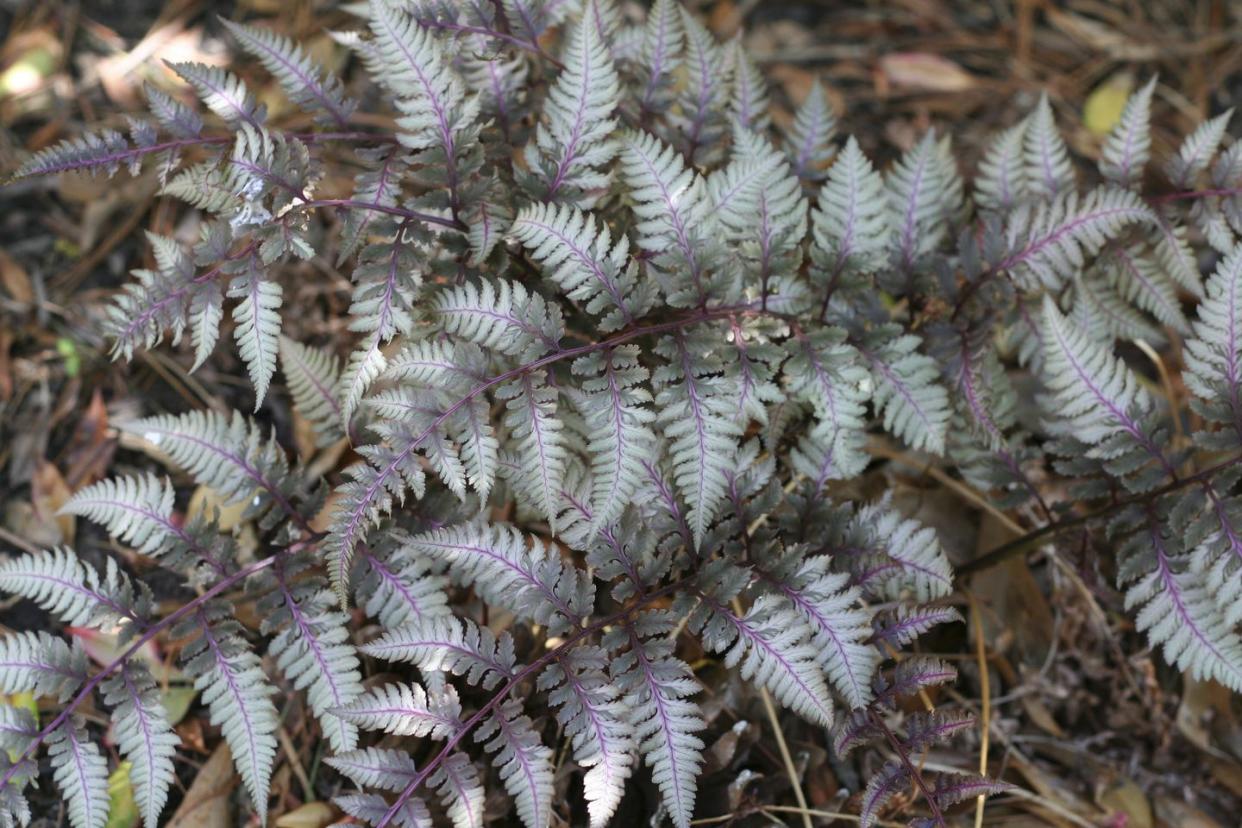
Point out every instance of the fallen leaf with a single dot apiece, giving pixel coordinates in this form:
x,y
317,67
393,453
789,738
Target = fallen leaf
x,y
48,493
15,280
104,648
206,804
207,501
176,701
90,450
310,815
925,72
1126,797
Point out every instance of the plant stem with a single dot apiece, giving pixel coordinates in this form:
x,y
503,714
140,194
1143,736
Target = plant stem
x,y
1032,539
139,643
525,673
428,218
919,782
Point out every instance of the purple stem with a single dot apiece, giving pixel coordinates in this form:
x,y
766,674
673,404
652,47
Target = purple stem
x,y
523,674
150,633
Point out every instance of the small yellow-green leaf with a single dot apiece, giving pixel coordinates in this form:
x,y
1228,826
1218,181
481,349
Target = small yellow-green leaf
x,y
177,701
24,701
1104,105
122,810
310,815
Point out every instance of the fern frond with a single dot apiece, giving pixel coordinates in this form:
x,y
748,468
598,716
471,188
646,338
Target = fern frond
x,y
1002,179
702,99
695,405
673,211
237,694
135,510
1048,166
963,787
808,141
74,592
906,623
371,809
139,511
103,151
171,114
303,81
227,454
838,624
162,300
508,569
143,735
449,645
461,791
257,326
1092,392
662,47
1101,310
907,392
387,280
769,646
405,710
382,768
656,686
42,664
17,727
923,729
924,192
1142,282
1179,615
1197,151
748,98
578,254
849,224
81,773
1213,352
223,92
883,785
395,587
502,316
761,208
615,406
597,723
525,763
576,140
827,374
907,555
412,62
313,375
1051,242
1128,145
311,647
380,185
531,417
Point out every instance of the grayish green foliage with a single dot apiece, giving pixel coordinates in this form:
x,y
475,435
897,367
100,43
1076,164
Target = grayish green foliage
x,y
593,291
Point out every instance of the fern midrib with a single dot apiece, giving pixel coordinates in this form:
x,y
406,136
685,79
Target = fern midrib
x,y
746,630
523,674
82,780
361,507
309,83
141,641
1173,588
225,668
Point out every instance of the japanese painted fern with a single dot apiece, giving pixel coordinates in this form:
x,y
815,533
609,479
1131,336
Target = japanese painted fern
x,y
616,349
